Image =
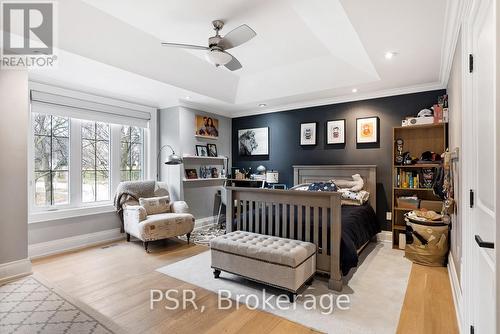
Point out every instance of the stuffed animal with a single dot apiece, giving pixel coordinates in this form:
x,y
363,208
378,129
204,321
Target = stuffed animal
x,y
355,185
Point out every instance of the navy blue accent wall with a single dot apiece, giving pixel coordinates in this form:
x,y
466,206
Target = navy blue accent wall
x,y
284,141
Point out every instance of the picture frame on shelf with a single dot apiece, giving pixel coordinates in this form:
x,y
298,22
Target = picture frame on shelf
x,y
253,141
201,151
191,173
308,134
214,173
335,132
367,130
212,150
206,127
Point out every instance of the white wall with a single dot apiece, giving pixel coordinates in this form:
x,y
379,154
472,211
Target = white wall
x,y
14,126
454,90
177,128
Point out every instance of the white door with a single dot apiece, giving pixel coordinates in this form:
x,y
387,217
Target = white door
x,y
484,183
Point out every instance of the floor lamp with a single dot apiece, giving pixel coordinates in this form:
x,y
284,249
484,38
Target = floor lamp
x,y
172,159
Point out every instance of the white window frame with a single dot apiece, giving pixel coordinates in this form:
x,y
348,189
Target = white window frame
x,y
76,207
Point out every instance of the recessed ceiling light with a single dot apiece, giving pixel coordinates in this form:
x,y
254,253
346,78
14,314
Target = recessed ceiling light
x,y
354,90
390,55
188,97
262,105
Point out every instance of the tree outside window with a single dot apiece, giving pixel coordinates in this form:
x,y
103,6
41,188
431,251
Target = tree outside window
x,y
132,146
51,159
95,161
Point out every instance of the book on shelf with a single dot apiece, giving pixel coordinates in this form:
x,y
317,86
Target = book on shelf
x,y
407,179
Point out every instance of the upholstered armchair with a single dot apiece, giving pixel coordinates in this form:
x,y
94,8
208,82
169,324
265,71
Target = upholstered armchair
x,y
156,218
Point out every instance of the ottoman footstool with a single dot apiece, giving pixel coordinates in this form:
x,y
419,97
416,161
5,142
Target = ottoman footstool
x,y
283,263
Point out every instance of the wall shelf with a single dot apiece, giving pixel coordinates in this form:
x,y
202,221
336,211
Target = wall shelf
x,y
416,189
422,126
197,158
418,166
204,180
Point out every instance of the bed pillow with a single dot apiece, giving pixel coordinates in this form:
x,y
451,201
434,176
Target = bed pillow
x,y
354,198
155,205
301,187
322,186
356,184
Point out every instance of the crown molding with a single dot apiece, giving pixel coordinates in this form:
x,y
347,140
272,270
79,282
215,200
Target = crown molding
x,y
343,99
455,11
319,102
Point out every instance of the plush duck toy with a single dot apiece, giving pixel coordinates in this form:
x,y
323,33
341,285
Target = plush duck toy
x,y
355,185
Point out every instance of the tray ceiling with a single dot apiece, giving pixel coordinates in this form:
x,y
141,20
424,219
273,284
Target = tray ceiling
x,y
304,52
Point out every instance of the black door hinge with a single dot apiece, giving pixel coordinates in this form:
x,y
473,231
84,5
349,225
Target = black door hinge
x,y
471,329
471,63
471,198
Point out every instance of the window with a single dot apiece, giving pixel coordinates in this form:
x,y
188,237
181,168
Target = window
x,y
131,154
51,137
95,161
102,155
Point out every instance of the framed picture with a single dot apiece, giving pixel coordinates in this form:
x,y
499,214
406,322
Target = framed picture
x,y
253,141
201,151
206,127
335,132
212,150
191,174
367,130
308,134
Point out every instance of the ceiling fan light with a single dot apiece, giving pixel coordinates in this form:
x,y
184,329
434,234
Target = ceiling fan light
x,y
217,57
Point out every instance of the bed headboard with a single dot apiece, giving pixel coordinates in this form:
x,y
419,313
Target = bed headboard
x,y
318,173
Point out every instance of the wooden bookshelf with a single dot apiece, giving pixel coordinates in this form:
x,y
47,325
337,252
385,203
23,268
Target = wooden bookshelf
x,y
417,139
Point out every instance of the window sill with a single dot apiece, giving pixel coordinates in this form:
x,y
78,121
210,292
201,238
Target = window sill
x,y
44,216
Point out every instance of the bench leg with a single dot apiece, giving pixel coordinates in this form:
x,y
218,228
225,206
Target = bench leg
x,y
291,296
128,237
188,236
334,284
146,243
216,273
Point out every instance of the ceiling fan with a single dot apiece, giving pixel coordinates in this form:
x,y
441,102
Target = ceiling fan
x,y
217,45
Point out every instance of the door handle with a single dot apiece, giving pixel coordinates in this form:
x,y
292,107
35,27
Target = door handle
x,y
483,244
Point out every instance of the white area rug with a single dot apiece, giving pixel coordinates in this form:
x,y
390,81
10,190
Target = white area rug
x,y
376,291
29,306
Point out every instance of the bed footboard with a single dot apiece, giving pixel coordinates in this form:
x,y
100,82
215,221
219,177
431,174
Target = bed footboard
x,y
308,216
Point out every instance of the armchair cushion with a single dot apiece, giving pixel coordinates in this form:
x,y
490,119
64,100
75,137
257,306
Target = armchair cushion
x,y
155,205
137,212
161,226
179,207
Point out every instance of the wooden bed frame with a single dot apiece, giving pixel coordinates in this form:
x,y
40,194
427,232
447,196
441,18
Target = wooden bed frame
x,y
287,202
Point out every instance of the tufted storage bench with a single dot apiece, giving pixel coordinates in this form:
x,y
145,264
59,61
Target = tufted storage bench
x,y
284,263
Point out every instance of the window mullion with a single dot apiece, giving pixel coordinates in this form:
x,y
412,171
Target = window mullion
x,y
75,170
115,163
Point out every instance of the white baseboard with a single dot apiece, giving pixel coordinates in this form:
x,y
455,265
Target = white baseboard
x,y
14,269
203,222
385,236
73,243
456,291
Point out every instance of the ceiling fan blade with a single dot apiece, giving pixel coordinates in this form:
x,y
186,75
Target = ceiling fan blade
x,y
185,46
234,64
236,37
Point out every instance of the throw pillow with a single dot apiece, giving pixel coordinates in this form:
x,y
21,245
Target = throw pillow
x,y
155,205
322,186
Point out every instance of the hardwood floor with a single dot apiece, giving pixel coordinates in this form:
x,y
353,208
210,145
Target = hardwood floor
x,y
116,280
428,306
